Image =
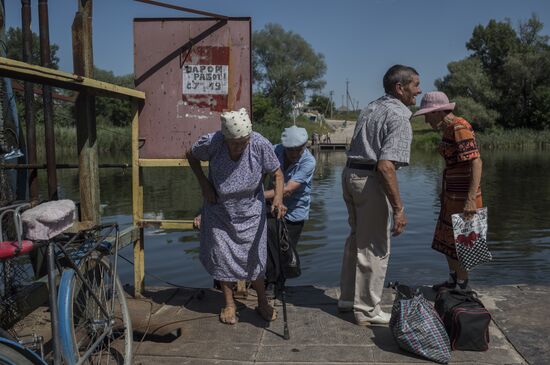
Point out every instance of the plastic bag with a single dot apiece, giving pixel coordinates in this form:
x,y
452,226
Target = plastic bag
x,y
471,239
417,328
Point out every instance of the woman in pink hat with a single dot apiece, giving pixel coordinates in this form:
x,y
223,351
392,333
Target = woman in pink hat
x,y
461,191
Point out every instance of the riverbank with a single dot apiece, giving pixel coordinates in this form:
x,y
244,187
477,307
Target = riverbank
x,y
118,139
498,139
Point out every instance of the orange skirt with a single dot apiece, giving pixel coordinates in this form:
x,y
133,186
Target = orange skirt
x,y
455,193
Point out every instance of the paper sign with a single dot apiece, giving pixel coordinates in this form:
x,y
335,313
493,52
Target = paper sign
x,y
205,79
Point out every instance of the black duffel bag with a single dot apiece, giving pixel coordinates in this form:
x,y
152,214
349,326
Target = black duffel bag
x,y
465,318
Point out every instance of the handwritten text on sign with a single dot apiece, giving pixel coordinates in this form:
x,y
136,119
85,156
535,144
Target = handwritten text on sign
x,y
205,79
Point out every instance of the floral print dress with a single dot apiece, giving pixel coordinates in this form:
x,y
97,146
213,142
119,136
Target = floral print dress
x,y
233,241
458,146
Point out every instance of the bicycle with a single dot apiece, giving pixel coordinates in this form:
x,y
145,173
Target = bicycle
x,y
90,321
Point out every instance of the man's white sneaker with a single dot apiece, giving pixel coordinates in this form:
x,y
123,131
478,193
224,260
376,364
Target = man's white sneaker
x,y
380,318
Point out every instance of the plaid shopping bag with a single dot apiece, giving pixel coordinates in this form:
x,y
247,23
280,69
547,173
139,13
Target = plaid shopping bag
x,y
471,239
417,328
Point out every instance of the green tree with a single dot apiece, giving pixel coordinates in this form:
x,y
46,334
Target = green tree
x,y
321,103
111,111
14,48
267,119
476,113
470,87
505,81
493,43
285,66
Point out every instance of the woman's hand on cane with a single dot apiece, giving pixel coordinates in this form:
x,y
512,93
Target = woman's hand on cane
x,y
278,208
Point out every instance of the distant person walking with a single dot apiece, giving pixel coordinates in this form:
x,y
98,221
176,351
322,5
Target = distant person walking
x,y
314,138
461,192
380,145
233,241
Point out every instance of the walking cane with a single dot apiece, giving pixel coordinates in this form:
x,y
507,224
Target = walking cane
x,y
281,278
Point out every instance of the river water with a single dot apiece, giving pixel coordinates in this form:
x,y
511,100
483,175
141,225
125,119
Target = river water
x,y
515,186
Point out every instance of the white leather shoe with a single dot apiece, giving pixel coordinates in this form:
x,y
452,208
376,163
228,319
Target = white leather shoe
x,y
380,318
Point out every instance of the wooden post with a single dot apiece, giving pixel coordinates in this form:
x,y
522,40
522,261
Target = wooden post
x,y
137,208
49,133
86,133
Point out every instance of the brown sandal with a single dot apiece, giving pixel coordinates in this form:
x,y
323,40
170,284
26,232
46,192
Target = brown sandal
x,y
228,315
267,312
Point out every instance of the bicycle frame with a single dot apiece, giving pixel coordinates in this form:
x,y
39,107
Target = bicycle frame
x,y
70,260
74,266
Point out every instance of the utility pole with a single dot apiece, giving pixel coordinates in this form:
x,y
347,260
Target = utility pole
x,y
330,97
347,95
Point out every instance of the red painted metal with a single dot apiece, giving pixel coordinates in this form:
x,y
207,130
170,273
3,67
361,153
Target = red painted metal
x,y
191,69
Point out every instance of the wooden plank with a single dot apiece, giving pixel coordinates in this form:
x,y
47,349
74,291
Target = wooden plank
x,y
148,162
80,226
43,75
137,208
179,224
139,265
137,188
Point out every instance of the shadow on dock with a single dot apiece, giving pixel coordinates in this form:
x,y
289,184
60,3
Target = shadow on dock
x,y
319,334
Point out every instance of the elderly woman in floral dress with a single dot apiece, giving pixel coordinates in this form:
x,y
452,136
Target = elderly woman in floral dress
x,y
461,191
233,220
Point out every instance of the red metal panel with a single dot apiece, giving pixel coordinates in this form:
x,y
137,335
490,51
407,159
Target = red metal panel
x,y
191,70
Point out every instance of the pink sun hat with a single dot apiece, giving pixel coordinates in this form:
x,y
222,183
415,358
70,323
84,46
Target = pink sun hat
x,y
434,101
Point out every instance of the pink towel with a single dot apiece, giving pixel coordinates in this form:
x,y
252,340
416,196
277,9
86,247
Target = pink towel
x,y
48,219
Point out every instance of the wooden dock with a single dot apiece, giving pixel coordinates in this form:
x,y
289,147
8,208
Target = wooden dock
x,y
181,326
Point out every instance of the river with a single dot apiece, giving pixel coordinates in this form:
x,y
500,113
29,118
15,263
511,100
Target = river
x,y
515,186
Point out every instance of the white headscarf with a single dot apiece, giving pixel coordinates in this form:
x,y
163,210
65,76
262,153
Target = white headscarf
x,y
236,124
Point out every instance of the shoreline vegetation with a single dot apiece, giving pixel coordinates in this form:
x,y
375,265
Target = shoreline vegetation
x,y
424,138
501,88
117,140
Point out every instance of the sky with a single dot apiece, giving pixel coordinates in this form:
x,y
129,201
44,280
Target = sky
x,y
360,39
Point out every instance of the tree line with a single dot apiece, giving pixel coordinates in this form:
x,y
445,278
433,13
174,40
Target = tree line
x,y
109,111
504,82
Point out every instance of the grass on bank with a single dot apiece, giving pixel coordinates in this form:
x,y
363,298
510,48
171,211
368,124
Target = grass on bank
x,y
118,140
502,139
110,140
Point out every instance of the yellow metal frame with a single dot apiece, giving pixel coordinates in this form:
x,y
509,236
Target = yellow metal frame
x,y
137,204
43,75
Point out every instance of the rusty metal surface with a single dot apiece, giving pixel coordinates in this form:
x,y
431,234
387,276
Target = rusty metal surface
x,y
191,69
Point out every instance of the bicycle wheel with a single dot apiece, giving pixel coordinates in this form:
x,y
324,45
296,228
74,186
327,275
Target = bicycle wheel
x,y
12,353
85,331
